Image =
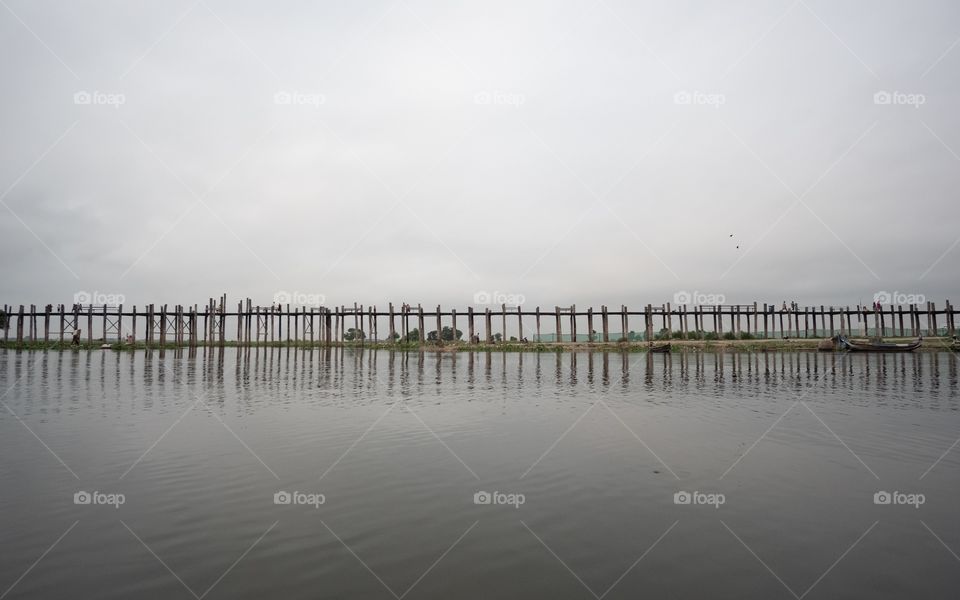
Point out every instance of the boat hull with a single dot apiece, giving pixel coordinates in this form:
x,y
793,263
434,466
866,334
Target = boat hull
x,y
854,346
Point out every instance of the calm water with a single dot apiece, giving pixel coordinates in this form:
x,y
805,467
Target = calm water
x,y
394,457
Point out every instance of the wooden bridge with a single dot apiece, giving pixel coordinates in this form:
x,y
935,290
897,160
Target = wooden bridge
x,y
247,324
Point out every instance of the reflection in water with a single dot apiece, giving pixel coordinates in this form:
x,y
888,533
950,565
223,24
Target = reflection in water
x,y
930,377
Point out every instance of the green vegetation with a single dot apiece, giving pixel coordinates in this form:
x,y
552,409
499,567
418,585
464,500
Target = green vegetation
x,y
354,335
446,334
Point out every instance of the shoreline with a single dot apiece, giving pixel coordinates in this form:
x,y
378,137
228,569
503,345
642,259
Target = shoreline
x,y
938,344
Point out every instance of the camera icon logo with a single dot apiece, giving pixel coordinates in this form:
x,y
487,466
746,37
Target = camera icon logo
x,y
682,97
282,297
282,97
682,297
882,97
882,497
82,97
82,298
82,497
282,497
481,297
883,297
682,498
482,498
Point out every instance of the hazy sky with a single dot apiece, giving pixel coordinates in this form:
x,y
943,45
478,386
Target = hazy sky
x,y
582,152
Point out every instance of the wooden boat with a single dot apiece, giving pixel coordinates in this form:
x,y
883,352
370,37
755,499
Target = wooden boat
x,y
867,346
663,348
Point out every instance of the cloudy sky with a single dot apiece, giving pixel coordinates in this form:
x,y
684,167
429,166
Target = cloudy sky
x,y
588,152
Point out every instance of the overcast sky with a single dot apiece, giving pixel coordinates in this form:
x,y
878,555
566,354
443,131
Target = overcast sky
x,y
589,152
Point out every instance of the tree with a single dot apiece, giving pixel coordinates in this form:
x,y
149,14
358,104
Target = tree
x,y
446,334
354,335
498,337
413,335
3,319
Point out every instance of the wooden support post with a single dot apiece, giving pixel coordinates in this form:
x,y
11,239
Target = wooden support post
x,y
420,326
488,323
948,317
559,328
20,326
519,324
163,325
648,323
223,319
46,323
604,317
393,325
89,323
573,323
439,327
471,330
626,322
539,339
934,331
590,324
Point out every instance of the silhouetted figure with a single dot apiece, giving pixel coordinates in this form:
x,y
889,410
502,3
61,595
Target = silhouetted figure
x,y
76,338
